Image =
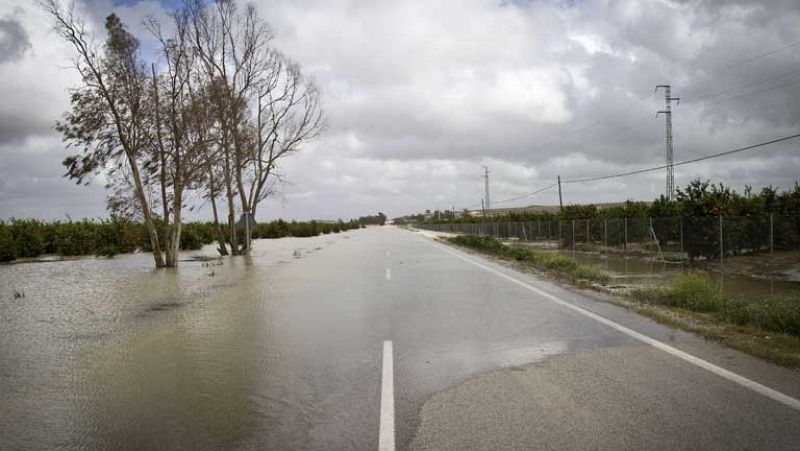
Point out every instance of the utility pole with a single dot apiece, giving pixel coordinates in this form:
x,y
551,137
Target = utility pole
x,y
486,187
560,200
670,160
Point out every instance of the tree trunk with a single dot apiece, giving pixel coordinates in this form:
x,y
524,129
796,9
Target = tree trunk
x,y
162,158
223,250
242,197
230,195
158,258
175,239
232,225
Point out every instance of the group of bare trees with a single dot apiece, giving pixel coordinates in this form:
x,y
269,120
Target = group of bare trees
x,y
209,118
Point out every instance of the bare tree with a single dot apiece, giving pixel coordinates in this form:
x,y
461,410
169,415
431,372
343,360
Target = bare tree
x,y
108,117
179,146
215,117
266,109
205,128
288,115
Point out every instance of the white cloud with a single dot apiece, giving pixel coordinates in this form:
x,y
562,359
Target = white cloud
x,y
419,94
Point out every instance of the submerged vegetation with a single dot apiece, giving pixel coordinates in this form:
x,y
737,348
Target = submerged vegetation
x,y
697,292
21,239
558,265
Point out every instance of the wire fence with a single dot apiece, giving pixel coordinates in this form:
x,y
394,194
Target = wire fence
x,y
707,237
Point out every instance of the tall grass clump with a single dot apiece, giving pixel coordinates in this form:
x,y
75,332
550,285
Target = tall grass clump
x,y
556,264
697,292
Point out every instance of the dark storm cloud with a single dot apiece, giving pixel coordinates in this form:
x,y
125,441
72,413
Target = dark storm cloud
x,y
32,185
15,126
14,41
419,94
595,64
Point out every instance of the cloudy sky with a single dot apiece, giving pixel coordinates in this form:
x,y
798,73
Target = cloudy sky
x,y
420,94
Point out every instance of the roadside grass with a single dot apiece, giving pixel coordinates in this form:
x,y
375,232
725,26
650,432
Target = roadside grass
x,y
696,292
778,348
559,266
768,328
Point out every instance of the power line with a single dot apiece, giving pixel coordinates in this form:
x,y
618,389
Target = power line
x,y
712,99
694,160
526,195
740,87
758,91
733,64
753,58
642,171
523,196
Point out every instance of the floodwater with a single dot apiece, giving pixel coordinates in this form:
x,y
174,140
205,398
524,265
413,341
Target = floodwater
x,y
110,353
648,272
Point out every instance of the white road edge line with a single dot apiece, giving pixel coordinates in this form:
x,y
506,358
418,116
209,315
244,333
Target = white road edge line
x,y
388,274
386,434
719,371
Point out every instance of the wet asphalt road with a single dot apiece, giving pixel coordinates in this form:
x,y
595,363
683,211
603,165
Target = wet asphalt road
x,y
285,351
454,325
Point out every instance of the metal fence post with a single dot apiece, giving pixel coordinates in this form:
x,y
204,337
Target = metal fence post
x,y
681,236
625,243
573,235
605,234
721,254
587,231
771,234
559,229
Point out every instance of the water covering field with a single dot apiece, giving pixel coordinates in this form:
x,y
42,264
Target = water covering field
x,y
108,353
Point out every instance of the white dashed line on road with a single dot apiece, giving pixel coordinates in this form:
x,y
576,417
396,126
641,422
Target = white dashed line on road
x,y
386,434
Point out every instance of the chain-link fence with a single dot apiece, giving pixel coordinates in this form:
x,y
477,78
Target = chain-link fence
x,y
708,237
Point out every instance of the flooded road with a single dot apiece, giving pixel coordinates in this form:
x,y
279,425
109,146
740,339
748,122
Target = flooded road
x,y
283,350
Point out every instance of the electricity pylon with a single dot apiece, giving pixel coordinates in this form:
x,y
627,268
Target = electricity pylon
x,y
486,187
670,157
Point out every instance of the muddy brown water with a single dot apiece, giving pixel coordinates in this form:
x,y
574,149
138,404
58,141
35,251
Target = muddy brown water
x,y
110,353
